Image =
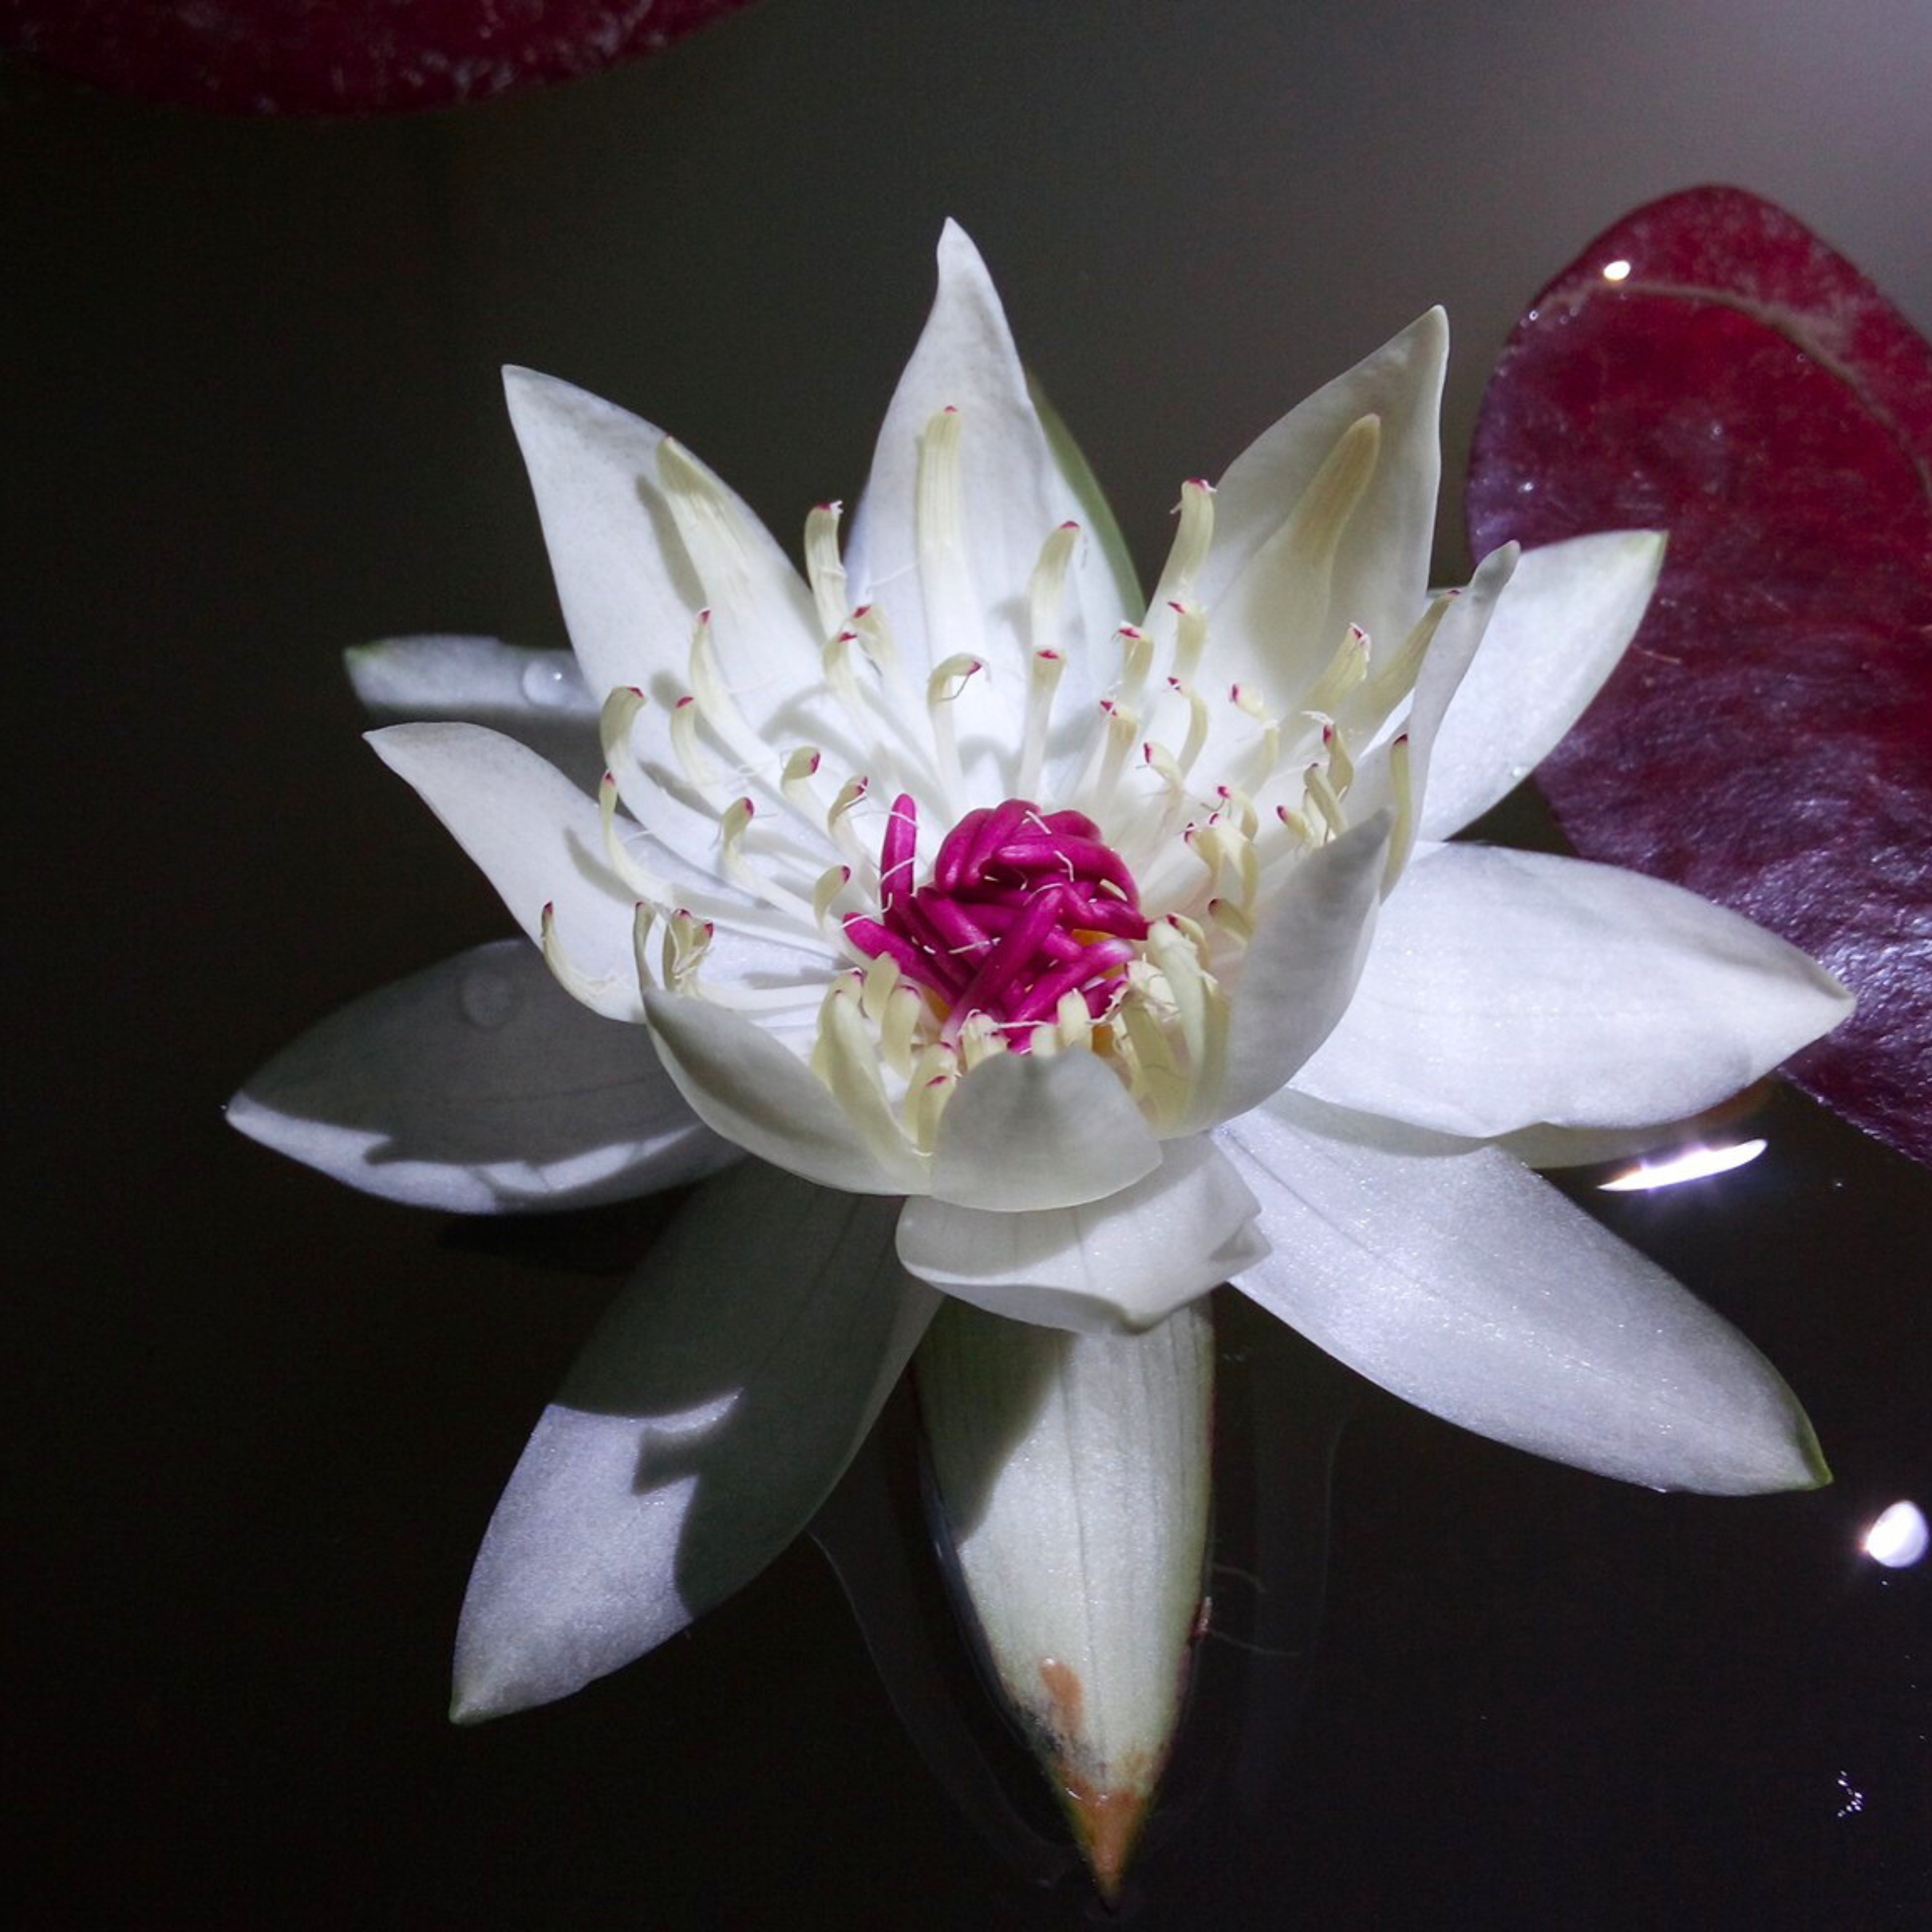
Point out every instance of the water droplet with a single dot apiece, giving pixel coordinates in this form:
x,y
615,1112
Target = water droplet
x,y
547,681
488,997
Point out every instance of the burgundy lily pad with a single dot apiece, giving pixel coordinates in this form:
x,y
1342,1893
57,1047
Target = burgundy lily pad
x,y
342,56
1708,367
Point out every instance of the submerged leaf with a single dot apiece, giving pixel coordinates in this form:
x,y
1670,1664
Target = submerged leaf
x,y
1709,367
350,57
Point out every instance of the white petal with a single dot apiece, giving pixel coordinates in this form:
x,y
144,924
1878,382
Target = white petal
x,y
480,1086
1381,568
1557,632
1013,493
1301,968
706,1420
628,584
538,840
1022,1131
1506,988
1125,1262
1073,1470
1465,1285
539,697
762,1097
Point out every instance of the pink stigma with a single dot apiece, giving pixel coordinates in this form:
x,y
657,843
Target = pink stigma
x,y
1023,908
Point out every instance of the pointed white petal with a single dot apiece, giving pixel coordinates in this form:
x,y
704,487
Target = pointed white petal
x,y
1073,1470
1022,1131
539,697
1301,968
538,839
480,1086
1381,567
1506,988
1557,631
1467,1285
629,587
762,1097
706,1420
1013,493
1125,1262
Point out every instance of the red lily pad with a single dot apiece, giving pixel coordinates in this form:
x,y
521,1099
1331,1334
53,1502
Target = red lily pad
x,y
1708,367
339,56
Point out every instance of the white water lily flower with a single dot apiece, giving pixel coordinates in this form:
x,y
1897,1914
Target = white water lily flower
x,y
1050,948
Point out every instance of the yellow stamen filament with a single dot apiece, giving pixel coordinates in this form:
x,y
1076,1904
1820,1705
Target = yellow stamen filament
x,y
942,690
825,894
1387,684
1345,670
1075,1023
1232,920
1341,767
686,941
845,834
823,569
898,1029
718,709
580,985
879,977
684,741
847,1059
935,1072
1192,539
708,522
980,1039
951,606
1328,806
1190,641
1401,839
1046,586
614,721
1044,672
1136,660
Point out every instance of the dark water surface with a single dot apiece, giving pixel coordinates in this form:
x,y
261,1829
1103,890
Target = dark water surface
x,y
258,1424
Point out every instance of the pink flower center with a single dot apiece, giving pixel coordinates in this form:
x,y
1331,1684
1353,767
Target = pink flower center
x,y
1023,908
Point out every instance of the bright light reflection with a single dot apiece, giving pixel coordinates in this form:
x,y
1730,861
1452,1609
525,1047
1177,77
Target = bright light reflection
x,y
1697,1163
1616,271
1899,1538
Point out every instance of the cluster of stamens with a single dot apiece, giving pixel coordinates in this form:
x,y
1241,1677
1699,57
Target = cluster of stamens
x,y
1025,909
1027,935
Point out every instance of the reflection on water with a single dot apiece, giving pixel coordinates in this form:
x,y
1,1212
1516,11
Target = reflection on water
x,y
1898,1538
1693,1163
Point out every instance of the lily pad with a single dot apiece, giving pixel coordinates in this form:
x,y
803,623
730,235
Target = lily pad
x,y
1710,367
347,57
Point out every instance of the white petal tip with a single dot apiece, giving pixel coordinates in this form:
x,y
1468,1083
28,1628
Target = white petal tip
x,y
1107,1827
466,1709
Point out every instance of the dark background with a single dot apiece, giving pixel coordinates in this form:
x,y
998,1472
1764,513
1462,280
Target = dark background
x,y
257,1424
